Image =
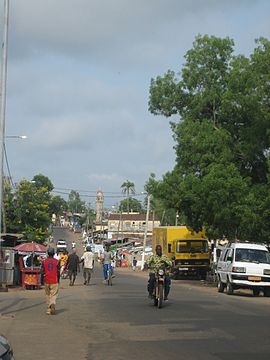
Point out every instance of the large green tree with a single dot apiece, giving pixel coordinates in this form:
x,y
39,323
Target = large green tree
x,y
221,176
28,211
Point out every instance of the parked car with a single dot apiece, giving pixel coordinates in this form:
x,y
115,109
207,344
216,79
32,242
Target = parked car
x,y
61,245
6,352
246,266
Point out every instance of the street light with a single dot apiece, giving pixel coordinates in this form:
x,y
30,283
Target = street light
x,y
15,137
145,230
2,124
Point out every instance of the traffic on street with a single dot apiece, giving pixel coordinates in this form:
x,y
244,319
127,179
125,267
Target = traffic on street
x,y
119,321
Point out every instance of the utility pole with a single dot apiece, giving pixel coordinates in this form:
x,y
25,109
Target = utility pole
x,y
145,230
2,119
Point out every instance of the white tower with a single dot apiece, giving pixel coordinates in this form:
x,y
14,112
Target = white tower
x,y
99,206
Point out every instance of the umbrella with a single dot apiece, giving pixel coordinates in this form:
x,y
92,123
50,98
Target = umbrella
x,y
27,248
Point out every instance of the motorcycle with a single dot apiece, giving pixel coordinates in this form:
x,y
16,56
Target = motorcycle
x,y
6,352
64,273
158,295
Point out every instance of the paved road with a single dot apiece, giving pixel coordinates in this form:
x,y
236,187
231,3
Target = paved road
x,y
101,322
60,233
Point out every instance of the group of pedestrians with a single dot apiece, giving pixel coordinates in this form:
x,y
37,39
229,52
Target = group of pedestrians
x,y
52,267
51,271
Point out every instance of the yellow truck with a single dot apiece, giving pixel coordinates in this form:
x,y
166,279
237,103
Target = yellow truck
x,y
187,249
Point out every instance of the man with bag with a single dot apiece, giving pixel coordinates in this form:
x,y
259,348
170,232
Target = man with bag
x,y
88,264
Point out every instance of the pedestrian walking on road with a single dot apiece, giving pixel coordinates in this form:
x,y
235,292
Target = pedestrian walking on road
x,y
73,266
88,265
63,262
134,263
51,271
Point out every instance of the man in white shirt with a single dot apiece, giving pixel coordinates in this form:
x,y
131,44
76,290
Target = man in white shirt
x,y
88,265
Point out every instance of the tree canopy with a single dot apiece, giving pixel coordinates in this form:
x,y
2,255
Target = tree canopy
x,y
222,139
131,204
75,204
27,210
29,207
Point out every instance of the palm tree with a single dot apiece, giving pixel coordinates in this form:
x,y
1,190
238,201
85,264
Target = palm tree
x,y
128,187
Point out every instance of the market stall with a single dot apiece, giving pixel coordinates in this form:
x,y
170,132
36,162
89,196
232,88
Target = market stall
x,y
30,255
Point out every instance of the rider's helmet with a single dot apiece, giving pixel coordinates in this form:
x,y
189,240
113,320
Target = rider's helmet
x,y
88,248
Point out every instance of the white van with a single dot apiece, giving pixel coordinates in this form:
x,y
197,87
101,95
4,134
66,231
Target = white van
x,y
246,266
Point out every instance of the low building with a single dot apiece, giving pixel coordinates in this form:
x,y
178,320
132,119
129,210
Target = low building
x,y
130,225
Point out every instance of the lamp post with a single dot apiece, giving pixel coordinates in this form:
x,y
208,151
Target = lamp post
x,y
2,122
15,137
145,230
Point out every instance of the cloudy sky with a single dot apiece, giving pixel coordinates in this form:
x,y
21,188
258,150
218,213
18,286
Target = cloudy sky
x,y
78,83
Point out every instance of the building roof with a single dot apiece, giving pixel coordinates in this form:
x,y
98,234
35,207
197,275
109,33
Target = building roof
x,y
132,217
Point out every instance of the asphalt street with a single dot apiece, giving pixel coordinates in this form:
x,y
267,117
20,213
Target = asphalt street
x,y
119,322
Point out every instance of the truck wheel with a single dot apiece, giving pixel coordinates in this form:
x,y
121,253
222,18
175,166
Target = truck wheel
x,y
202,275
256,292
175,276
220,286
266,291
229,288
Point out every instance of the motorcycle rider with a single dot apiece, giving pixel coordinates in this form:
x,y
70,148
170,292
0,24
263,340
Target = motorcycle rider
x,y
154,263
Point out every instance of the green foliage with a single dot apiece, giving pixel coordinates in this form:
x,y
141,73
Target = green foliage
x,y
29,207
133,204
221,176
28,211
75,204
57,205
43,181
162,201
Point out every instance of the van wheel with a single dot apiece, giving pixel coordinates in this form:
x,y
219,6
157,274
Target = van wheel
x,y
256,292
229,288
266,291
220,286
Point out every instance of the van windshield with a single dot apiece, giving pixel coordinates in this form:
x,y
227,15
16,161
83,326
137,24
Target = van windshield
x,y
192,246
252,255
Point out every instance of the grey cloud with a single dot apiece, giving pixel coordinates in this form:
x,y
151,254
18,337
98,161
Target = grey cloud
x,y
78,82
106,30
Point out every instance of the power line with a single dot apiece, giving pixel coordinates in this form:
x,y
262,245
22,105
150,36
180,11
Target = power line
x,y
94,196
89,191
